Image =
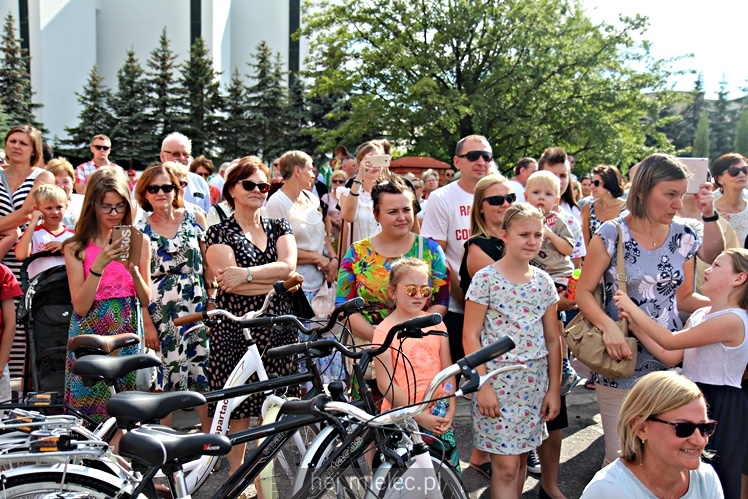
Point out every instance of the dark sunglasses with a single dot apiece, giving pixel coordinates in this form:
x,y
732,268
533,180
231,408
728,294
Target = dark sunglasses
x,y
499,200
102,148
167,188
182,183
338,181
734,171
249,186
474,155
412,289
686,429
597,183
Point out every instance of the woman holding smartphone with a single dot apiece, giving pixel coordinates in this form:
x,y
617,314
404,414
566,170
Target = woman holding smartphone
x,y
356,205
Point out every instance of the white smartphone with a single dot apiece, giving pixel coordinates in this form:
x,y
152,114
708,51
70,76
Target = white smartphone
x,y
380,160
699,169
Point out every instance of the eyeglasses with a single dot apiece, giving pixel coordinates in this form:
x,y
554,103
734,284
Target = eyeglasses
x,y
412,289
499,200
178,154
597,183
474,155
106,209
182,183
167,188
686,429
734,171
276,164
102,148
204,175
449,174
249,186
338,181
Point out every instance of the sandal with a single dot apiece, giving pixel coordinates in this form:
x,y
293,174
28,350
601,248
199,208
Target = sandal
x,y
484,469
589,384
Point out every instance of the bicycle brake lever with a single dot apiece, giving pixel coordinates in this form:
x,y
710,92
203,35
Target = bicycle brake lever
x,y
476,381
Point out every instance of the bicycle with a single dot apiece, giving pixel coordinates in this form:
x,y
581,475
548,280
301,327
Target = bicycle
x,y
129,408
332,466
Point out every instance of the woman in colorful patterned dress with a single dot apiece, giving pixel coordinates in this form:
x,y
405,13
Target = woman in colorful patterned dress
x,y
178,286
107,289
365,269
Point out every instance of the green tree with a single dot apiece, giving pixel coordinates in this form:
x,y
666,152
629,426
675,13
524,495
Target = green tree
x,y
267,99
298,116
165,111
525,74
741,133
235,129
721,124
701,141
95,116
15,82
201,92
132,135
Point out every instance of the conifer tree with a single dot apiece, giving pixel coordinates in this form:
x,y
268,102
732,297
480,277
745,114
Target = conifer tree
x,y
132,135
741,132
267,101
95,116
721,124
15,82
165,111
701,141
299,119
235,138
201,92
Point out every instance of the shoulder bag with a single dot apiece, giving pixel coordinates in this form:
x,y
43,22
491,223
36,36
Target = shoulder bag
x,y
586,341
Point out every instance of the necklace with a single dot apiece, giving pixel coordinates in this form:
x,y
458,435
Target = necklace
x,y
664,496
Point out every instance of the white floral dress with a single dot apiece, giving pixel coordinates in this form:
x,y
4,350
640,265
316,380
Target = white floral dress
x,y
653,278
514,310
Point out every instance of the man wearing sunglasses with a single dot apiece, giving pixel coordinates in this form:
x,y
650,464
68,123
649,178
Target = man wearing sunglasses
x,y
177,147
522,171
101,147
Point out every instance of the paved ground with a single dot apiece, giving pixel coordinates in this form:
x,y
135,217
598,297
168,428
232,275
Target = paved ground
x,y
581,453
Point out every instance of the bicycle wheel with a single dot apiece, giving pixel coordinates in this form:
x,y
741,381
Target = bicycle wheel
x,y
318,478
413,482
33,485
277,479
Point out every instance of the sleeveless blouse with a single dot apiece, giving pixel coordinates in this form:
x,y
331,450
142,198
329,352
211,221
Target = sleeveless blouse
x,y
115,281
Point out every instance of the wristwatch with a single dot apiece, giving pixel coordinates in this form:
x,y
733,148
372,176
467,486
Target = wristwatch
x,y
249,275
713,218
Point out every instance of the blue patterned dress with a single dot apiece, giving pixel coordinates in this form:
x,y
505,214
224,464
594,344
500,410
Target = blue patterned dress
x,y
178,289
514,310
653,278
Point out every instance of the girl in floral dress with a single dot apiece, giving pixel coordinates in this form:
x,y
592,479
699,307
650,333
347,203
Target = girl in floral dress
x,y
512,298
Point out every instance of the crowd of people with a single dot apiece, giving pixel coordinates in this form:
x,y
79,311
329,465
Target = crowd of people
x,y
494,256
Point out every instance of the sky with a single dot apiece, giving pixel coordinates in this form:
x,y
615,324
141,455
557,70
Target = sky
x,y
713,31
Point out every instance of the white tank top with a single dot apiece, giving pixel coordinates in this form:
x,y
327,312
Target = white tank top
x,y
717,364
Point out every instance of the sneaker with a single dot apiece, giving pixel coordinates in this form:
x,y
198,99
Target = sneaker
x,y
569,378
533,462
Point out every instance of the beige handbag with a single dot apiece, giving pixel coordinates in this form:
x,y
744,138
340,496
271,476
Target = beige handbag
x,y
586,341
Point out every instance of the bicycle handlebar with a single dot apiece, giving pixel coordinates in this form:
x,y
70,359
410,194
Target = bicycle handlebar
x,y
280,287
322,402
414,324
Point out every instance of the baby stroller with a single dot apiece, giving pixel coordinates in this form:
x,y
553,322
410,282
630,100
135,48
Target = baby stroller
x,y
46,309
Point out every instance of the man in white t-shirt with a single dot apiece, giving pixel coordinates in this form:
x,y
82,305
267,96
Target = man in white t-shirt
x,y
522,171
448,222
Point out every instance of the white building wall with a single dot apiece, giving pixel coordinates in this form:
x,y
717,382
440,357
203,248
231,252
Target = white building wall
x,y
67,37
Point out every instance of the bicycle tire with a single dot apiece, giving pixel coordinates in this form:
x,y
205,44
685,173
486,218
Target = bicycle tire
x,y
277,479
39,484
450,485
353,484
